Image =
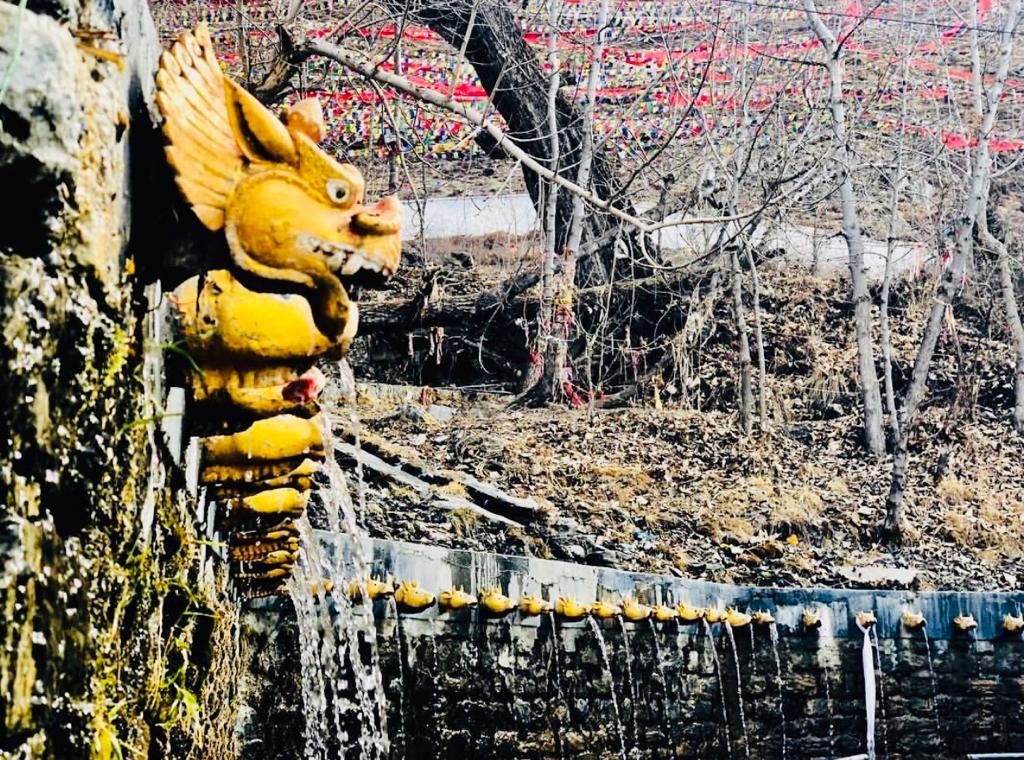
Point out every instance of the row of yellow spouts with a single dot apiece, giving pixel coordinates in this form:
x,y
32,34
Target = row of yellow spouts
x,y
410,597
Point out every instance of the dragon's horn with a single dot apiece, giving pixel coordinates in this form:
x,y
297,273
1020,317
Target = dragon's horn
x,y
307,117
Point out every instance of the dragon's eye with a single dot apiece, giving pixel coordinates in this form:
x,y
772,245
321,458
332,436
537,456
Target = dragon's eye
x,y
337,190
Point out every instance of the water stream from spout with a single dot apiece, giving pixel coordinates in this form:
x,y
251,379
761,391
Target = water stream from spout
x,y
354,624
342,688
867,660
931,676
401,646
881,694
314,697
739,687
721,689
510,673
661,670
611,680
773,631
753,660
556,673
826,678
631,687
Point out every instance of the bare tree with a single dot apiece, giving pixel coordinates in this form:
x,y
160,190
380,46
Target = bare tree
x,y
951,278
871,396
1009,298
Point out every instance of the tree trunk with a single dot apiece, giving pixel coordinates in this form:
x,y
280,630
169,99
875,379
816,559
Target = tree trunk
x,y
762,370
746,393
1012,314
870,392
551,344
509,70
895,520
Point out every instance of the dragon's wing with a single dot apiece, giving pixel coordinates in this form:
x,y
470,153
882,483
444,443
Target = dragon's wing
x,y
203,149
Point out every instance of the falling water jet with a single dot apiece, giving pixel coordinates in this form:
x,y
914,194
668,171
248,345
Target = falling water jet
x,y
881,693
721,689
554,667
319,646
368,680
931,676
867,660
773,631
753,660
611,680
631,686
332,651
826,678
341,630
313,688
681,659
739,687
661,668
508,674
400,652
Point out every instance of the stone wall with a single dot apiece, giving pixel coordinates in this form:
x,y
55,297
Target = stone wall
x,y
112,633
460,684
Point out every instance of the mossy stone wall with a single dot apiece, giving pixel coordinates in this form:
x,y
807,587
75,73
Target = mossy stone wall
x,y
112,632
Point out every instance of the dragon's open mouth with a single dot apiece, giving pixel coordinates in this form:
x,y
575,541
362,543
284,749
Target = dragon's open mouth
x,y
363,266
343,259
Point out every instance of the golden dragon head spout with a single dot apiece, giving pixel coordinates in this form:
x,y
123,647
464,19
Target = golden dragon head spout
x,y
290,212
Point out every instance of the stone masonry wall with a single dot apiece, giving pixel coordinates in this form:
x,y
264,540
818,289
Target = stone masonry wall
x,y
113,632
462,685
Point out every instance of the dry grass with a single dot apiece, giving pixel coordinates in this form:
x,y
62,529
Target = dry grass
x,y
951,490
981,517
464,521
797,509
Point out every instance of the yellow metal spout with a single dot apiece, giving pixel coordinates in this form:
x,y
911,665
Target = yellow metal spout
x,y
664,614
262,392
912,620
374,588
411,598
714,615
274,573
234,480
531,606
605,610
223,321
688,613
865,619
324,586
496,603
737,619
279,558
762,617
1013,623
286,502
268,441
455,599
965,623
635,612
258,548
569,609
811,618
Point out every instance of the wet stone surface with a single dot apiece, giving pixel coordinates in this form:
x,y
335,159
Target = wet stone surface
x,y
461,683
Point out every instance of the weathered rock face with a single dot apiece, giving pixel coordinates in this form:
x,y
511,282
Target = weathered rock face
x,y
101,652
461,684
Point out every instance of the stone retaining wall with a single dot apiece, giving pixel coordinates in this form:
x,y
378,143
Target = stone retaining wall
x,y
459,684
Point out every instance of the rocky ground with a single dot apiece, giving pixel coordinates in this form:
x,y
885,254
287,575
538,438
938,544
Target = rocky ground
x,y
677,490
